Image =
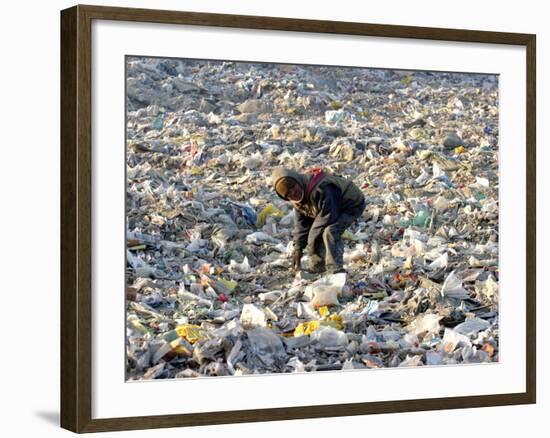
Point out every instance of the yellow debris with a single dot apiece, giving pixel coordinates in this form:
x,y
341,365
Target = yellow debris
x,y
229,284
180,349
191,332
307,328
460,150
335,321
269,210
323,311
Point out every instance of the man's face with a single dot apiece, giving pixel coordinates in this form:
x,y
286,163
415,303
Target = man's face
x,y
295,193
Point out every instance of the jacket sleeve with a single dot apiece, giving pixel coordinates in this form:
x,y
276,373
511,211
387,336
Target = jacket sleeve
x,y
302,225
328,203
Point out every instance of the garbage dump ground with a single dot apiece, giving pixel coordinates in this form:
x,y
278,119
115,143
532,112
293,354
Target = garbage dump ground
x,y
209,289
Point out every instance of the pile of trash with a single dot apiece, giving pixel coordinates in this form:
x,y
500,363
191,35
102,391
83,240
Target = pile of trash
x,y
210,291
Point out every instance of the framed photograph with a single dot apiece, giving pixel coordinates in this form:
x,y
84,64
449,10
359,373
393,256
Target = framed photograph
x,y
270,218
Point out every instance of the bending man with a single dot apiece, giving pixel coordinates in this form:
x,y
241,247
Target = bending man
x,y
325,206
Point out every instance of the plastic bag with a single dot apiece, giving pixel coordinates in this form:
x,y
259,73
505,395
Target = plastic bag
x,y
269,210
251,316
452,287
325,291
330,339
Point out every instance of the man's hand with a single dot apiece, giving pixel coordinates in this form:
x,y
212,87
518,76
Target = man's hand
x,y
296,259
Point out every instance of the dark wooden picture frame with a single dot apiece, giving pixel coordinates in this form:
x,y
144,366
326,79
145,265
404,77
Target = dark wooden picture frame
x,y
76,218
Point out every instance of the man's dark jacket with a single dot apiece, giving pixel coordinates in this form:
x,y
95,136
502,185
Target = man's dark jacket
x,y
321,204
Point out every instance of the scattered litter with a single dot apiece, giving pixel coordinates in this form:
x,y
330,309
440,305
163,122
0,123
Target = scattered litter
x,y
252,316
325,291
209,285
452,287
190,332
472,326
452,339
427,323
411,361
260,237
329,339
266,348
269,210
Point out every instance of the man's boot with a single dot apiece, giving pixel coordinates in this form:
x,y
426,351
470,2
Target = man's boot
x,y
316,264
